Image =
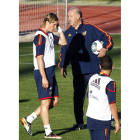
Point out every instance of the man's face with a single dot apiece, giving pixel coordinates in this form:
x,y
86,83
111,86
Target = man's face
x,y
72,17
52,26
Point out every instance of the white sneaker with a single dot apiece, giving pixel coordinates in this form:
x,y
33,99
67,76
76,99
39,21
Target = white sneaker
x,y
53,136
27,125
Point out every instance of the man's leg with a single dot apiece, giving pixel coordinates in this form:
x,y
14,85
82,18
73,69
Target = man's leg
x,y
28,120
103,134
34,115
46,104
80,84
31,118
54,102
44,113
91,134
79,96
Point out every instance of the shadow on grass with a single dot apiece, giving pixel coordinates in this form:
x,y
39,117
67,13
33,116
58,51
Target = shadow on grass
x,y
26,70
64,131
24,100
38,132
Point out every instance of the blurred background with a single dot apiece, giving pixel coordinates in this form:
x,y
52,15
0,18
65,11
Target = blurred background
x,y
103,13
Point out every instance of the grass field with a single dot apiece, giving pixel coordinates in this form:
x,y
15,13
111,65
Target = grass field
x,y
62,116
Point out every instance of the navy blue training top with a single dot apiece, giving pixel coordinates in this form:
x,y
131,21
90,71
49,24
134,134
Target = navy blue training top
x,y
78,48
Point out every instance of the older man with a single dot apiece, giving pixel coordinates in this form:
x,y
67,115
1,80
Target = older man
x,y
80,35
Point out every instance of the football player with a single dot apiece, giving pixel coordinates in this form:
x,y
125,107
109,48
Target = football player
x,y
44,72
102,102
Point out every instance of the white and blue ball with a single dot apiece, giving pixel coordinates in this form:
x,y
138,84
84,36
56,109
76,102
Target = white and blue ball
x,y
96,45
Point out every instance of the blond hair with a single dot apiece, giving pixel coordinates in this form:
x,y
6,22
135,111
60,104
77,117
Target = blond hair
x,y
51,17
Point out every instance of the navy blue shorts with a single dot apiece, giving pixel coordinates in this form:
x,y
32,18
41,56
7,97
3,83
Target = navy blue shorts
x,y
51,91
101,134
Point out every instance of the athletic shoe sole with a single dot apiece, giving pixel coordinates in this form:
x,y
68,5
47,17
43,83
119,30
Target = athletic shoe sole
x,y
52,136
26,126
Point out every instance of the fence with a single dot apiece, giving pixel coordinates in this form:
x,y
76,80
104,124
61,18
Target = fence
x,y
32,12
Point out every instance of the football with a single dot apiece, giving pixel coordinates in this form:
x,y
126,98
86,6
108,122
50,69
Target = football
x,y
96,45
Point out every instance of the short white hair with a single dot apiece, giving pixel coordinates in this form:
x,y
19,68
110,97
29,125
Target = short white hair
x,y
78,11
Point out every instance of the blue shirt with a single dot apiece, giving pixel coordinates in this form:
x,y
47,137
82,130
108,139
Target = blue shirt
x,y
78,48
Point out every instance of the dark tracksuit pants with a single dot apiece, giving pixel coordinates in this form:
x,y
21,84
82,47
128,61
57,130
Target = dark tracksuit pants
x,y
80,83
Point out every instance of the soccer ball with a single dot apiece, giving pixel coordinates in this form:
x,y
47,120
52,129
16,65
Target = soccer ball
x,y
96,45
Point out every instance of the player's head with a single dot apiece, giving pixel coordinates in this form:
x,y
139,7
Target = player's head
x,y
74,16
106,63
51,21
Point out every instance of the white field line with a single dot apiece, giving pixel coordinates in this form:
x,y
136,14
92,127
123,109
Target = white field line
x,y
25,54
112,14
26,63
57,52
117,68
104,12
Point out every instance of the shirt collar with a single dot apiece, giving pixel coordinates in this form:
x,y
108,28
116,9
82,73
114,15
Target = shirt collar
x,y
101,73
43,31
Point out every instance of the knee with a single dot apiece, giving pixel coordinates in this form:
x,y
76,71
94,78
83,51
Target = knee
x,y
45,104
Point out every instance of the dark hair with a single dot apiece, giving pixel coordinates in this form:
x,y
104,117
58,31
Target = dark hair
x,y
79,12
51,17
106,62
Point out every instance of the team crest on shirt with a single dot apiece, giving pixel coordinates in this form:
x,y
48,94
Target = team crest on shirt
x,y
69,35
84,33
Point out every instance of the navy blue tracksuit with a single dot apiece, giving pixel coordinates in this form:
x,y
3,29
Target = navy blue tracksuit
x,y
84,62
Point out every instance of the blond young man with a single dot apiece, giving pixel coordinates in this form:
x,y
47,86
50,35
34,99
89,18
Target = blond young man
x,y
44,72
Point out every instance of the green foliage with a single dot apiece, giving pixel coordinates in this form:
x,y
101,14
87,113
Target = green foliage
x,y
62,116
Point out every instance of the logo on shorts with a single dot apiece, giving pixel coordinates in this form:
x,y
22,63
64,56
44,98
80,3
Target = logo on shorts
x,y
50,88
50,91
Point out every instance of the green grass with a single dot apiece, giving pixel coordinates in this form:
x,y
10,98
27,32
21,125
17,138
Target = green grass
x,y
62,116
